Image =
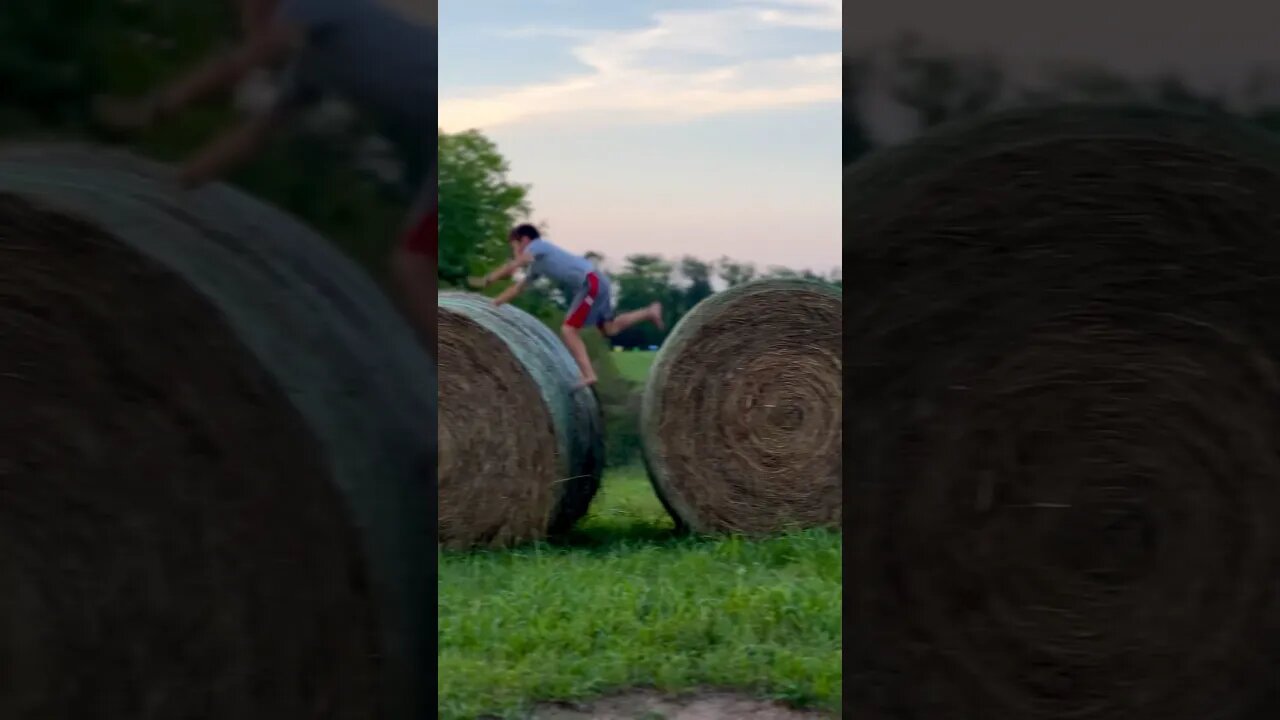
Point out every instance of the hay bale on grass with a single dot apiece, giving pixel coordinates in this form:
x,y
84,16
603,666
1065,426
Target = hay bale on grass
x,y
214,449
1066,437
521,452
741,417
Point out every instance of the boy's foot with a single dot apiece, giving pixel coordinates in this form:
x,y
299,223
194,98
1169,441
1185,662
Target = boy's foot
x,y
655,314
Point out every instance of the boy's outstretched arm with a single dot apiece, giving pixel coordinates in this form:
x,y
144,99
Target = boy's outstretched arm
x,y
273,42
504,271
509,294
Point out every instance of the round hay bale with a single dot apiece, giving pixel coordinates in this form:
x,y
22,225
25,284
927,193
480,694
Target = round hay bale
x,y
214,457
1067,429
741,413
521,452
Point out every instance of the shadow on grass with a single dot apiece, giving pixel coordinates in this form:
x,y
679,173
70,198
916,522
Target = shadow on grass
x,y
608,536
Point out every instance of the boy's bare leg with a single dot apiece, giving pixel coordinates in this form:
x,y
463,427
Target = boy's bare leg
x,y
578,348
653,313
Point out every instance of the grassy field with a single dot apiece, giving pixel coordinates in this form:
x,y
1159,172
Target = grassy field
x,y
624,604
634,365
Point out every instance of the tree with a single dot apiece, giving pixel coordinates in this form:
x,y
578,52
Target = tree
x,y
697,282
1169,89
55,55
644,279
940,86
855,136
478,205
1075,81
734,273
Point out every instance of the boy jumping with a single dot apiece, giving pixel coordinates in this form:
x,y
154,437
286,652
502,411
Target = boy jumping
x,y
577,277
372,55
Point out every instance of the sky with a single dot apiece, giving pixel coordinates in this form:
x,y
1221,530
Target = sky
x,y
705,127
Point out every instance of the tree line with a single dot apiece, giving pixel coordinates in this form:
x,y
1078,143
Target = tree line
x,y
935,84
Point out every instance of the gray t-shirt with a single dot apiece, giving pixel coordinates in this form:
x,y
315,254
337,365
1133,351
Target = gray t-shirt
x,y
373,56
562,267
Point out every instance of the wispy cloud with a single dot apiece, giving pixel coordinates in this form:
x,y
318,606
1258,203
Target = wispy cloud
x,y
681,66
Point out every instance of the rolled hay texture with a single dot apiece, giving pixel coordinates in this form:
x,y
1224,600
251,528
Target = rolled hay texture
x,y
741,413
1065,444
216,436
521,452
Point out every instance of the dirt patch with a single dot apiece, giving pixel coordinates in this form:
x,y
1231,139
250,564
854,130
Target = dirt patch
x,y
649,705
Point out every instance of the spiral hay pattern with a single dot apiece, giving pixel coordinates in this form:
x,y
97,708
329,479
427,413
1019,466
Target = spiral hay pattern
x,y
521,452
741,414
214,457
1065,443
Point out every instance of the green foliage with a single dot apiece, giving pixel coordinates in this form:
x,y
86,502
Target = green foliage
x,y
733,273
478,205
854,134
643,280
316,181
938,85
626,604
57,55
619,401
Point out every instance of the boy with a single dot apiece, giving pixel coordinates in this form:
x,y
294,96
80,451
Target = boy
x,y
592,303
377,57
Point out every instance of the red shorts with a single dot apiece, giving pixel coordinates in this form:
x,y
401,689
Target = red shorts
x,y
584,303
423,237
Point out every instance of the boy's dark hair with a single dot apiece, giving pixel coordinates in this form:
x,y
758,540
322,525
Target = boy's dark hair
x,y
526,231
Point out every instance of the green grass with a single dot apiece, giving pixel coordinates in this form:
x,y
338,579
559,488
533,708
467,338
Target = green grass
x,y
634,365
624,604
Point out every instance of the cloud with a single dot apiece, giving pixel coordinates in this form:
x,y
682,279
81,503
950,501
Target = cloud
x,y
808,14
683,65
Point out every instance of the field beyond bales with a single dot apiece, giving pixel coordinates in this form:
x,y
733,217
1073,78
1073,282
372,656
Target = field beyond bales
x,y
623,604
634,365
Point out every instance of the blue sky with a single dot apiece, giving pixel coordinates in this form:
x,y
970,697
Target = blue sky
x,y
705,128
